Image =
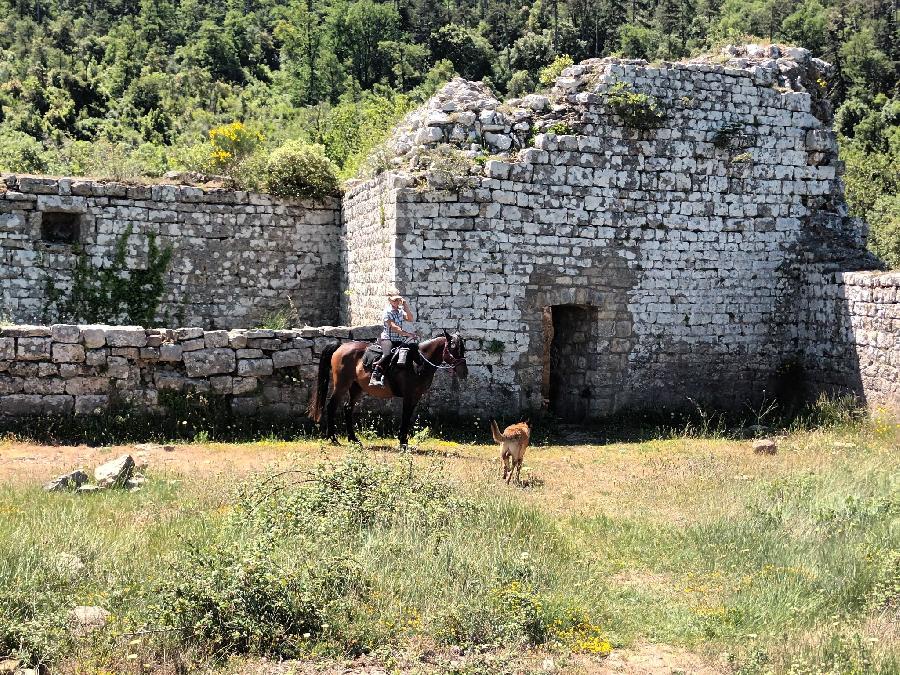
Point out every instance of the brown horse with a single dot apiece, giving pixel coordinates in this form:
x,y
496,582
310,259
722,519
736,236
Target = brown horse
x,y
343,365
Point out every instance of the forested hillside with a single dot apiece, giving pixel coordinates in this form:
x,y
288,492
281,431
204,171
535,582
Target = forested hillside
x,y
132,87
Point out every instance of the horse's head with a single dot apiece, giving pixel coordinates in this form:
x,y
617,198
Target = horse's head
x,y
455,354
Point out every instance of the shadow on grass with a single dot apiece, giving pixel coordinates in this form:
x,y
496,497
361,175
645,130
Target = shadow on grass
x,y
208,418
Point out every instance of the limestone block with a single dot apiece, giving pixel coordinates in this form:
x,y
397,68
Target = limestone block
x,y
79,386
33,349
68,353
117,367
95,357
17,405
291,357
57,404
126,336
244,406
204,362
221,384
10,385
216,338
65,333
7,348
193,345
244,385
237,339
249,353
93,336
44,385
25,331
254,367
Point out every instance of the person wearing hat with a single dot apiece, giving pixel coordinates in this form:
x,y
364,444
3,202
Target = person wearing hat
x,y
393,334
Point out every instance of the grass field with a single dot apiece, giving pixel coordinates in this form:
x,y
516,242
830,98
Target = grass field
x,y
683,552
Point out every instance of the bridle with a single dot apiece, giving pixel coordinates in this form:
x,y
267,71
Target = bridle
x,y
448,361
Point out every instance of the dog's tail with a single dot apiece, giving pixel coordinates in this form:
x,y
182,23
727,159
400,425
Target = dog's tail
x,y
495,430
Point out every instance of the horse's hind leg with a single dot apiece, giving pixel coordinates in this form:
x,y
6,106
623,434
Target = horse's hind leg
x,y
331,406
355,393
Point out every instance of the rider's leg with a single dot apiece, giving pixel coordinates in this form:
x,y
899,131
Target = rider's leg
x,y
381,365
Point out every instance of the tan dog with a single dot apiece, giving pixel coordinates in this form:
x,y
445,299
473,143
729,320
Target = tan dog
x,y
513,442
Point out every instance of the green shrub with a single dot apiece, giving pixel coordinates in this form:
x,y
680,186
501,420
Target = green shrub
x,y
548,74
637,110
21,152
884,232
301,171
520,83
255,596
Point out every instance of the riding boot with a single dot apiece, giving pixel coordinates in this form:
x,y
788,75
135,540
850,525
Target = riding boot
x,y
377,379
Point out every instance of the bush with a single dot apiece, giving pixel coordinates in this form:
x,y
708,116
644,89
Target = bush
x,y
20,152
637,110
255,596
884,232
549,73
302,171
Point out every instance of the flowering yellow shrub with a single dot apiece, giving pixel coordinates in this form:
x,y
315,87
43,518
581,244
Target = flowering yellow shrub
x,y
231,142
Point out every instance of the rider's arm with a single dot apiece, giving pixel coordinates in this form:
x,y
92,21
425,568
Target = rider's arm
x,y
407,312
394,327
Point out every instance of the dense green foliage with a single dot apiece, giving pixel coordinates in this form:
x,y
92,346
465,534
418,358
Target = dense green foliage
x,y
128,88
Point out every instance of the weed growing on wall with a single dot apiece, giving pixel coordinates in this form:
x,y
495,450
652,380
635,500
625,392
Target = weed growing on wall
x,y
637,110
113,293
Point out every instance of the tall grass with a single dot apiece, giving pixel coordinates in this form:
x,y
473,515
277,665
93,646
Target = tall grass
x,y
364,555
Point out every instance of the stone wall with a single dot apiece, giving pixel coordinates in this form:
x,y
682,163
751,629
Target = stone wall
x,y
682,245
849,335
69,369
237,257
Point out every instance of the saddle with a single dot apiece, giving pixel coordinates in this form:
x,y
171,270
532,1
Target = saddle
x,y
373,354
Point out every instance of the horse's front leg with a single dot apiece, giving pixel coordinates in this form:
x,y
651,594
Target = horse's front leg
x,y
409,405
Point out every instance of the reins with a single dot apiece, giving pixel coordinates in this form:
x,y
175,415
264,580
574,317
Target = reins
x,y
448,361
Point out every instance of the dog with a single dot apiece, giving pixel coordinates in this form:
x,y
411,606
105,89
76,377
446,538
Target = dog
x,y
513,442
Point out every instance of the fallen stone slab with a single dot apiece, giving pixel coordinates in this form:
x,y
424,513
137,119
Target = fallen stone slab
x,y
114,472
69,481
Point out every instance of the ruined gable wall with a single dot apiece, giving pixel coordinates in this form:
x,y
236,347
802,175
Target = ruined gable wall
x,y
685,241
237,256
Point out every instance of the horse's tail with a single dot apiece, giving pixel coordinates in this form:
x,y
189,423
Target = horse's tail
x,y
495,430
320,393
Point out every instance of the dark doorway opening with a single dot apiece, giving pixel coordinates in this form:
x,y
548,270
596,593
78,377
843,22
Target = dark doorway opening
x,y
569,360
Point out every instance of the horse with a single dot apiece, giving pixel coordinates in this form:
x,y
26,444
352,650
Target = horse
x,y
341,365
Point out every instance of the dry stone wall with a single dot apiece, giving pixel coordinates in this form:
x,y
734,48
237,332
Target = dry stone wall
x,y
237,257
72,369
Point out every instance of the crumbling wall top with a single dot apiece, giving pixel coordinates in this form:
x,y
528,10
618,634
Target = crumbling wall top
x,y
468,117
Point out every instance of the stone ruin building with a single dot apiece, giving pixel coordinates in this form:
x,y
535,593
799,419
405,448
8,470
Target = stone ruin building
x,y
643,235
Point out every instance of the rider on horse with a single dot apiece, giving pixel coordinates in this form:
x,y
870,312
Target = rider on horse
x,y
393,334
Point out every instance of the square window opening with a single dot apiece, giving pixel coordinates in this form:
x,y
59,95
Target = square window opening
x,y
60,227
